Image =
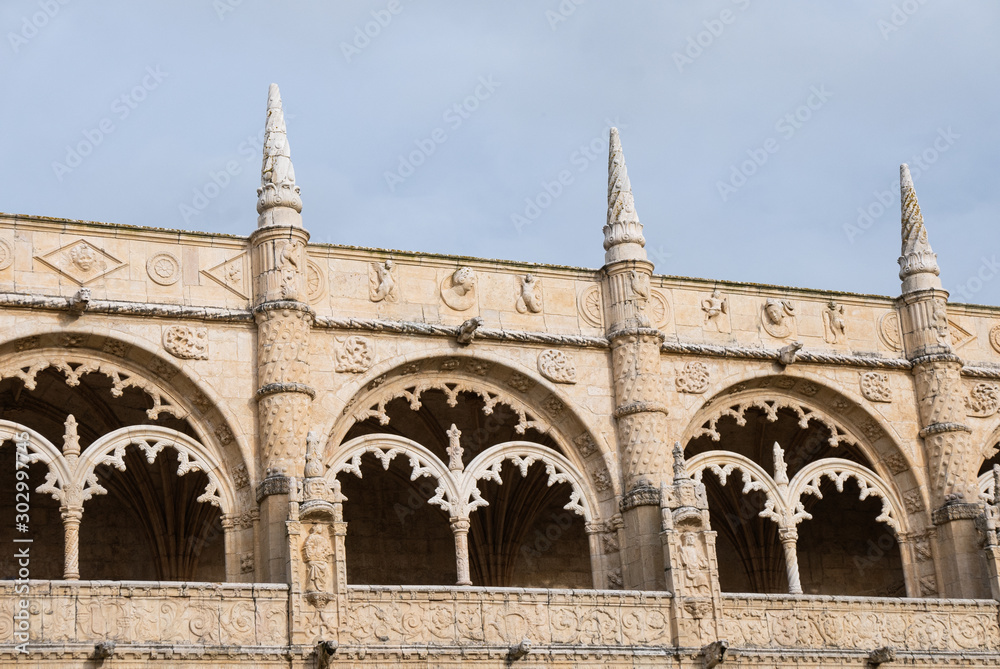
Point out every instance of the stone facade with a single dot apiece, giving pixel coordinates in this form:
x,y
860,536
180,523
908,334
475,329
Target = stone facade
x,y
333,456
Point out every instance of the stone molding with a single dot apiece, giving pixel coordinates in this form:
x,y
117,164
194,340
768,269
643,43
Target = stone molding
x,y
276,388
640,495
750,353
941,428
950,512
273,485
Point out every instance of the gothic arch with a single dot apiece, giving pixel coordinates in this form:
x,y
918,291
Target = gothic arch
x,y
538,404
814,401
175,390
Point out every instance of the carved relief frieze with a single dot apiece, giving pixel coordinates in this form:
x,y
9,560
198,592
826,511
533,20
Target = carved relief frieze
x,y
81,261
875,386
164,269
694,378
458,290
382,282
528,294
778,318
716,308
557,366
591,309
889,332
231,274
186,342
353,354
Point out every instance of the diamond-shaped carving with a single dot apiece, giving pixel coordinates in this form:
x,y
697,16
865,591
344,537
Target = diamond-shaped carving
x,y
959,335
231,274
81,261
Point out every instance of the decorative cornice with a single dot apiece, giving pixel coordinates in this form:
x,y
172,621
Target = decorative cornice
x,y
936,357
961,511
273,485
981,372
281,305
126,308
637,332
276,388
748,353
941,428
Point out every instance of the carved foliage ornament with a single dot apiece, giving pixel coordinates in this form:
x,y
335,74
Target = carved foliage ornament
x,y
983,400
557,366
458,290
875,386
186,342
354,354
694,378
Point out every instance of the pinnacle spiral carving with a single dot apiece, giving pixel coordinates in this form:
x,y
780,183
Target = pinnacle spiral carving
x,y
277,177
917,256
623,226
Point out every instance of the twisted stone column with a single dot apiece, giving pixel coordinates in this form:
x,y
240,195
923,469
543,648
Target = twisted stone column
x,y
71,517
460,528
789,538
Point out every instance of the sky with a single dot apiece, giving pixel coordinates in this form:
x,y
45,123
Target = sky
x,y
763,140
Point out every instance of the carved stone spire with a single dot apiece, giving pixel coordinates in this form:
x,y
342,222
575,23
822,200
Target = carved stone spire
x,y
918,266
278,201
623,238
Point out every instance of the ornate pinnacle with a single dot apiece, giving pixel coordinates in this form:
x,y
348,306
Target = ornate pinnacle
x,y
71,440
917,256
680,466
623,227
277,178
780,468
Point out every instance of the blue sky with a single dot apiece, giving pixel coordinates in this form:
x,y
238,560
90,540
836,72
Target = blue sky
x,y
762,139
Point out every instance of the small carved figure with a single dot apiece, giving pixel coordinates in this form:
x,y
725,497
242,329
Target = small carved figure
x,y
778,317
788,354
680,467
715,307
834,324
780,467
459,289
939,321
382,282
693,565
288,265
454,449
528,298
467,330
316,553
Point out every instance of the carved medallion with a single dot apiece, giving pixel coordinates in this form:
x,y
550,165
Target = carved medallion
x,y
458,290
81,261
591,309
231,275
778,318
875,386
529,294
983,400
354,354
694,378
315,282
185,342
6,254
995,338
163,269
556,366
888,330
659,310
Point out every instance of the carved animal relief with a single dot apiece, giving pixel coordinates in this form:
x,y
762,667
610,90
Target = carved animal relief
x,y
694,378
875,387
983,400
458,290
382,282
529,294
557,366
354,354
778,318
186,342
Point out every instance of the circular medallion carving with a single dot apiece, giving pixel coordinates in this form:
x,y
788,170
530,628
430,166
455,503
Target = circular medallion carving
x,y
315,285
458,290
6,254
995,338
589,303
888,330
163,269
659,310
